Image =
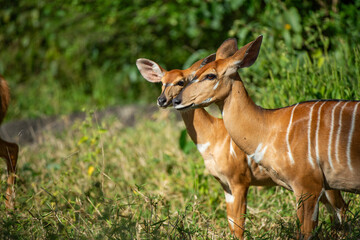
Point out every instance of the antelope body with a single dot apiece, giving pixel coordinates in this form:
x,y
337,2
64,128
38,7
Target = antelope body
x,y
232,168
309,147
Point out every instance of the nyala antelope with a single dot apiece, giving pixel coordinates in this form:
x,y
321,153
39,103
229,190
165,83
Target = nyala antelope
x,y
230,166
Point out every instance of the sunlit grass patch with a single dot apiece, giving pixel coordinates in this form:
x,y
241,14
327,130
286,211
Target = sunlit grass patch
x,y
101,180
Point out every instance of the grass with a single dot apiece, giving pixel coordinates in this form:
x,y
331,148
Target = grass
x,y
103,180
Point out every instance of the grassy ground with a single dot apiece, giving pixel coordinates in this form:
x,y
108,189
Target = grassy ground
x,y
103,180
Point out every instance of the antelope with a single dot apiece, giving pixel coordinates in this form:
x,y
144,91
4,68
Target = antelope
x,y
8,151
230,166
310,147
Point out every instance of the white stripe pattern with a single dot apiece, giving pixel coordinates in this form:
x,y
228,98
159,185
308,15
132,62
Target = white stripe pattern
x,y
309,136
288,133
216,85
232,151
317,134
331,135
338,134
348,148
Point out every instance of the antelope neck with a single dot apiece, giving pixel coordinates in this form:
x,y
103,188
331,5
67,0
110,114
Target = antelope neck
x,y
198,122
246,122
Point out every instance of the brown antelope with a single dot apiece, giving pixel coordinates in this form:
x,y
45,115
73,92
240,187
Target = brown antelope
x,y
309,147
232,168
8,151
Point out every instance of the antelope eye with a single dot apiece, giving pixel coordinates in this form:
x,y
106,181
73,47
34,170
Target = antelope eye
x,y
210,76
180,83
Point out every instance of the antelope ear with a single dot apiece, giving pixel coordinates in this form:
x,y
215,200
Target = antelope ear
x,y
227,49
247,55
199,64
207,60
150,70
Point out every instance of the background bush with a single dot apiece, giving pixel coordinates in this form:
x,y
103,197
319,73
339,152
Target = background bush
x,y
62,56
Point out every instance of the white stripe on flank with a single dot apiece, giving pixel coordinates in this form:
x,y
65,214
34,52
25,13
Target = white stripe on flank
x,y
331,134
202,147
339,133
287,135
309,136
317,134
348,149
232,151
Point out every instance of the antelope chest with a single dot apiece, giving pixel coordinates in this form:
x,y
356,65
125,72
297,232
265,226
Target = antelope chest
x,y
211,163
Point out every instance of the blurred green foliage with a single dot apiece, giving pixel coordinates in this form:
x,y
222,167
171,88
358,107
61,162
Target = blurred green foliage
x,y
62,56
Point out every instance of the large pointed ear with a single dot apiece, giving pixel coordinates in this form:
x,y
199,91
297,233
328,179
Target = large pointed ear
x,y
247,55
150,70
227,49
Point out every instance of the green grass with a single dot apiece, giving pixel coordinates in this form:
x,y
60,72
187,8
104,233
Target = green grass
x,y
107,181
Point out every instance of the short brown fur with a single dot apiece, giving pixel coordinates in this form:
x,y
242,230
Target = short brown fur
x,y
278,139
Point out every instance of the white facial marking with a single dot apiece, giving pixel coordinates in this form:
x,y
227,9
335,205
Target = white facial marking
x,y
288,133
216,85
316,210
339,133
180,106
194,81
229,198
331,134
202,147
309,136
348,148
232,151
231,222
207,100
317,134
259,153
167,84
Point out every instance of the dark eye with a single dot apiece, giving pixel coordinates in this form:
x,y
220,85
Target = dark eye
x,y
210,76
180,83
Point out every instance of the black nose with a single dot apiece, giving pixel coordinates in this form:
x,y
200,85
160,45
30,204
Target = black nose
x,y
161,101
176,101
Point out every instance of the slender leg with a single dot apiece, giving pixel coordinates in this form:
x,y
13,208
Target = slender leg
x,y
308,211
236,209
9,151
336,204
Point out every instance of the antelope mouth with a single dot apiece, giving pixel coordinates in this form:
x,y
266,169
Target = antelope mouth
x,y
184,107
165,105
